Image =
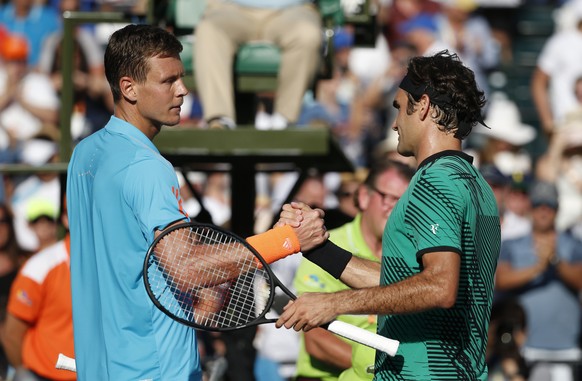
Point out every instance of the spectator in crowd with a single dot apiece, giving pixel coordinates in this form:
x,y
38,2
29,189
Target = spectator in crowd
x,y
517,211
276,349
503,146
562,163
379,93
544,270
422,33
13,53
558,68
42,215
395,13
323,355
40,185
336,97
471,37
29,105
295,26
39,322
500,185
504,143
31,19
11,258
346,208
507,336
91,97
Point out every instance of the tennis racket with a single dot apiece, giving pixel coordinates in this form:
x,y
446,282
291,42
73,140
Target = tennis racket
x,y
210,279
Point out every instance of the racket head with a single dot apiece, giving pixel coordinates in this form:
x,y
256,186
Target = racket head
x,y
219,302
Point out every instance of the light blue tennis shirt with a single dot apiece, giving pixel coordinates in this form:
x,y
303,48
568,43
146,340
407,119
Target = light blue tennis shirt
x,y
119,191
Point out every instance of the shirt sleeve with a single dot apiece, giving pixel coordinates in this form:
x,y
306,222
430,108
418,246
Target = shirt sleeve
x,y
153,193
437,207
25,298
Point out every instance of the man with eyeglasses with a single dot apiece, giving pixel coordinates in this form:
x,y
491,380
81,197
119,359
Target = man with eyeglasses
x,y
323,355
433,290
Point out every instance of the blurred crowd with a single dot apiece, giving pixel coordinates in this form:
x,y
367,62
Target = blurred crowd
x,y
536,320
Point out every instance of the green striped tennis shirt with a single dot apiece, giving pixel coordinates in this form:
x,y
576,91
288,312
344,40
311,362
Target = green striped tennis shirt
x,y
448,206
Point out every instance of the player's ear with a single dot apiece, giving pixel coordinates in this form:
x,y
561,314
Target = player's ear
x,y
423,106
128,88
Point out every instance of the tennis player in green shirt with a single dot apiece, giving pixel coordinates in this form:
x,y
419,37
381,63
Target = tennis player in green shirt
x,y
433,288
323,355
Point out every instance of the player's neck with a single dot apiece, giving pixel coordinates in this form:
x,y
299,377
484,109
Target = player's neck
x,y
434,143
131,116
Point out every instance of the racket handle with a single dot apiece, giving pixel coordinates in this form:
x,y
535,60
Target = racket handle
x,y
365,337
66,363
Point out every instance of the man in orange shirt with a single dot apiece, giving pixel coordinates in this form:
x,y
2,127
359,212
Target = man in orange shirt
x,y
39,322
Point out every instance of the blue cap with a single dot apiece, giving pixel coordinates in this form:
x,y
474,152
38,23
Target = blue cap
x,y
493,175
342,39
421,21
544,193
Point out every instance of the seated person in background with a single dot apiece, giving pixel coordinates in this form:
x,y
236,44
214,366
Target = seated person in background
x,y
39,322
294,25
507,335
29,105
543,270
42,215
33,20
41,185
11,257
92,99
347,207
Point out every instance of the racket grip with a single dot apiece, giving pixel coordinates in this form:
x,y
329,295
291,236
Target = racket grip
x,y
365,337
66,363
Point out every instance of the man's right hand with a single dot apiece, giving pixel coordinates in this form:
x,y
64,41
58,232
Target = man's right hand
x,y
308,224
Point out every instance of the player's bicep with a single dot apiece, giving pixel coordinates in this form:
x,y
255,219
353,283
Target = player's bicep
x,y
443,268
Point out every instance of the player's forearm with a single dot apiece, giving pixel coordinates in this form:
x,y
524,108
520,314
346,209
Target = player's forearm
x,y
418,293
328,348
341,264
361,273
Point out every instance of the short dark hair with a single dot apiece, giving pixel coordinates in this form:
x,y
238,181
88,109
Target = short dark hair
x,y
129,50
447,76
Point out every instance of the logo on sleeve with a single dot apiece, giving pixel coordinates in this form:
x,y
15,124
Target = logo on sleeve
x,y
434,228
176,193
23,297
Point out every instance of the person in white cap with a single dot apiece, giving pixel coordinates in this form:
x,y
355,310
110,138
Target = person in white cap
x,y
504,148
505,141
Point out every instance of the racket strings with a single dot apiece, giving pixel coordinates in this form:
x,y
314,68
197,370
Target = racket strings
x,y
207,278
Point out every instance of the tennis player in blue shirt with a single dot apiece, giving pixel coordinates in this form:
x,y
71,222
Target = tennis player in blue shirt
x,y
122,194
